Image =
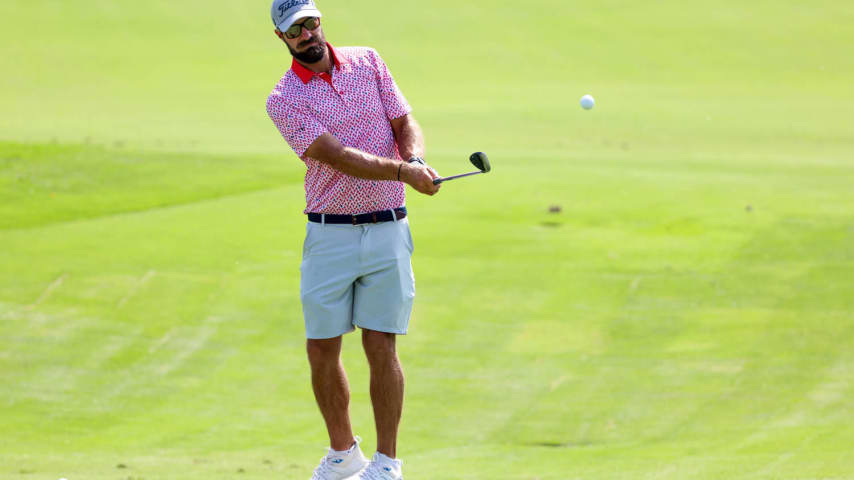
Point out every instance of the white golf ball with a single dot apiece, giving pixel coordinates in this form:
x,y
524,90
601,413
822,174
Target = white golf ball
x,y
587,102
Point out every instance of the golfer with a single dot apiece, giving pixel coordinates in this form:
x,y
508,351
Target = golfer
x,y
340,110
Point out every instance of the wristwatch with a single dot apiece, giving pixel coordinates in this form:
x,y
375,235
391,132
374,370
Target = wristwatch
x,y
417,160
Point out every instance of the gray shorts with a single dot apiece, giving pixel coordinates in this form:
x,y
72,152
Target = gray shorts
x,y
356,275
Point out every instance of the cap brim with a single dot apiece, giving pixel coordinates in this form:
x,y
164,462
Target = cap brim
x,y
308,12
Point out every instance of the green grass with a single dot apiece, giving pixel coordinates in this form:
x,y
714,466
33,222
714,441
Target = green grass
x,y
46,183
688,314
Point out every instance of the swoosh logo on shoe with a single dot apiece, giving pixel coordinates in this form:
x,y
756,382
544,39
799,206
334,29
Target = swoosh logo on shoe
x,y
338,460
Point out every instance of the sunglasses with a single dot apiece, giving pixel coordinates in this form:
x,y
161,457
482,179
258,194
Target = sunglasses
x,y
295,30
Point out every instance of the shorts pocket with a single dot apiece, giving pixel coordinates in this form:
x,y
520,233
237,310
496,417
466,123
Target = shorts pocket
x,y
309,241
408,237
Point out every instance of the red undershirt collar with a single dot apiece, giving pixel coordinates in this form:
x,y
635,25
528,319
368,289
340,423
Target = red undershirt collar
x,y
306,75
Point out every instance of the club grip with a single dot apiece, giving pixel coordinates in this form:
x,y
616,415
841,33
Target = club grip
x,y
437,181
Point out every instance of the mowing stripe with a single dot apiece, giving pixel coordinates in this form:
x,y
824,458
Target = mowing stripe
x,y
162,341
559,381
142,210
50,289
111,346
145,278
193,346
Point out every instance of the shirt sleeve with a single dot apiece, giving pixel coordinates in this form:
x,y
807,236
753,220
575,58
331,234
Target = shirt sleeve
x,y
393,100
297,124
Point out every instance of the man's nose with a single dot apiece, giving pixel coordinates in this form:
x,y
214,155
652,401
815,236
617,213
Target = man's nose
x,y
305,34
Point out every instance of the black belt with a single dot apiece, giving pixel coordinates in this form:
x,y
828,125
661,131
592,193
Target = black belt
x,y
371,217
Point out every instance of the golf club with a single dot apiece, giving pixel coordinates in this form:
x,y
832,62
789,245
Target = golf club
x,y
478,159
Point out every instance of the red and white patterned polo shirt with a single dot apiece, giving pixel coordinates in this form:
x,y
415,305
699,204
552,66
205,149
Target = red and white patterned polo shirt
x,y
355,104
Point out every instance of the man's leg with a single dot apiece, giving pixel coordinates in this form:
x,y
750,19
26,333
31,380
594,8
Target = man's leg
x,y
386,388
331,390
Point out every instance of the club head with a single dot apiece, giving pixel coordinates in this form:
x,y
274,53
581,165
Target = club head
x,y
479,160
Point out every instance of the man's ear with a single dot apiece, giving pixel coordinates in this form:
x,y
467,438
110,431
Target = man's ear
x,y
279,34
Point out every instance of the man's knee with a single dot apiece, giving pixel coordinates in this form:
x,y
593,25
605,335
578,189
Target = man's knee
x,y
323,351
378,344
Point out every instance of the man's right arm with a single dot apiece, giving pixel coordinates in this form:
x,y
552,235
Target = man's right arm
x,y
357,163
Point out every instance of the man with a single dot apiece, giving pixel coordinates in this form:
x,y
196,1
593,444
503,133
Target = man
x,y
344,116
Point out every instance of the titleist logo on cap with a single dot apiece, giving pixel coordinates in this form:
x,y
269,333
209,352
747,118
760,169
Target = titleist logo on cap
x,y
289,4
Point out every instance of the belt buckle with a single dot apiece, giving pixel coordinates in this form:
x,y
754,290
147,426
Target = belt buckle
x,y
374,216
353,218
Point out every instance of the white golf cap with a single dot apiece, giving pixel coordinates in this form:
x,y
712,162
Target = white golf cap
x,y
286,12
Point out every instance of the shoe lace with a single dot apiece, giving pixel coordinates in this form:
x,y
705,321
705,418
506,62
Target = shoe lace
x,y
323,469
374,472
325,466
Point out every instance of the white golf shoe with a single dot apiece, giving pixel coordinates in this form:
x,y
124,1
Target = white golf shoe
x,y
383,468
344,465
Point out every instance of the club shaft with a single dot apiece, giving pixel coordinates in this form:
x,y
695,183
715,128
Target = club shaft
x,y
445,179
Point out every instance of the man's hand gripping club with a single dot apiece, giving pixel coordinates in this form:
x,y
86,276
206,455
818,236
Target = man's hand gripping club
x,y
356,163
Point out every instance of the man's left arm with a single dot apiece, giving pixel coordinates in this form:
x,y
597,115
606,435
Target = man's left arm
x,y
409,137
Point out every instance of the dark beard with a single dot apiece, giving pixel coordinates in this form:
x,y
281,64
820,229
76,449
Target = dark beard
x,y
313,55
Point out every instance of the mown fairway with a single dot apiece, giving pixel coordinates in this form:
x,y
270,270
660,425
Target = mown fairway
x,y
689,314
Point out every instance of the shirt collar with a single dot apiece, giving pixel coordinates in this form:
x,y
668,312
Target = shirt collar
x,y
305,74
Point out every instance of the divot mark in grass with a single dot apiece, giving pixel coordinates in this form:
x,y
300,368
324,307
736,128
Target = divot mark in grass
x,y
582,443
550,444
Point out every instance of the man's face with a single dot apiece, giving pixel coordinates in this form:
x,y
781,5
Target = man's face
x,y
310,45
